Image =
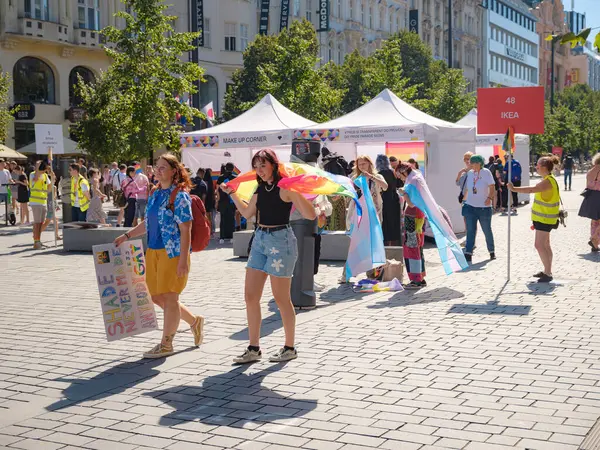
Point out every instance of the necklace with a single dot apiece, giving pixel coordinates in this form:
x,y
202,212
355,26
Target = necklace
x,y
272,187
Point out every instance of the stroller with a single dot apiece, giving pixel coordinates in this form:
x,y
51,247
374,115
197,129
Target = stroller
x,y
10,217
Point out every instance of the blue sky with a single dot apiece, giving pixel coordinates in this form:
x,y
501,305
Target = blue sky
x,y
591,8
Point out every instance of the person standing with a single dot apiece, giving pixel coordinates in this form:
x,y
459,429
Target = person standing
x,y
391,202
491,166
200,189
210,203
544,212
23,195
14,189
51,205
80,194
567,166
144,186
5,182
106,182
273,253
118,179
590,207
40,186
169,229
95,212
477,206
130,191
515,179
226,206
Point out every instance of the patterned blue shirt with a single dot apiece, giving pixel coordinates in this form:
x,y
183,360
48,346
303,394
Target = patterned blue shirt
x,y
168,221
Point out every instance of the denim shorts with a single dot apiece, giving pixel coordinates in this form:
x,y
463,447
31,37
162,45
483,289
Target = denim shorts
x,y
140,208
274,253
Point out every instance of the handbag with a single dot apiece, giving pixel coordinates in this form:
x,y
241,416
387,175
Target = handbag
x,y
562,212
587,192
120,201
461,196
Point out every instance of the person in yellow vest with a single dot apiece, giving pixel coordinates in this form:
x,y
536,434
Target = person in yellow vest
x,y
40,185
80,194
544,212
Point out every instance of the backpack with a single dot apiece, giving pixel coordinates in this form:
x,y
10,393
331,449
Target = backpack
x,y
200,224
337,166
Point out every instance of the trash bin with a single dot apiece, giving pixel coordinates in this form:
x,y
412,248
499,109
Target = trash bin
x,y
303,281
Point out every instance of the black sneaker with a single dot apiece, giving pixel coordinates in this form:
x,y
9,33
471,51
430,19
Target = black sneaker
x,y
492,255
545,278
468,257
538,275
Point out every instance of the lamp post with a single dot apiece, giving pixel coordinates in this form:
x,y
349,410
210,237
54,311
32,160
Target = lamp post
x,y
450,46
552,76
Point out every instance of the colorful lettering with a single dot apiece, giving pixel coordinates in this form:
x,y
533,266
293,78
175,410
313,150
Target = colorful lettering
x,y
112,329
121,280
113,315
102,281
108,291
116,251
113,302
118,261
130,327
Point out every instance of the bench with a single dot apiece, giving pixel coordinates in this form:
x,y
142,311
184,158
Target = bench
x,y
82,240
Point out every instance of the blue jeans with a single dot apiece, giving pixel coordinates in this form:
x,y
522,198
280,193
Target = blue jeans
x,y
77,214
473,215
568,176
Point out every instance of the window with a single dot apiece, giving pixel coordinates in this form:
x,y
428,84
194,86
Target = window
x,y
88,14
338,8
340,54
351,9
88,77
206,33
330,52
309,10
381,16
243,37
362,12
24,134
37,9
33,81
370,16
230,44
209,92
296,8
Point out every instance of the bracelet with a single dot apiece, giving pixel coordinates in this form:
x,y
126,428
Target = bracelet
x,y
127,236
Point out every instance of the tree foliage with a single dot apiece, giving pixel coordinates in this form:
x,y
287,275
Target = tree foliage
x,y
6,116
131,109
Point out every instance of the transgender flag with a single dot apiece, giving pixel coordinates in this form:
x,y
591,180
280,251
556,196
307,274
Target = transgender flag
x,y
451,254
366,237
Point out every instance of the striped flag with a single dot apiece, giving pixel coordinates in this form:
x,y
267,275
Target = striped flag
x,y
509,141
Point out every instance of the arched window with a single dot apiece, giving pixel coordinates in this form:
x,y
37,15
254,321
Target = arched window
x,y
209,92
340,54
88,77
33,81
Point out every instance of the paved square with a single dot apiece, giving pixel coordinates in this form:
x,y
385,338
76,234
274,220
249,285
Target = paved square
x,y
470,362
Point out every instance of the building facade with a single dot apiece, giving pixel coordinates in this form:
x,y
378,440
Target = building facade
x,y
511,44
585,66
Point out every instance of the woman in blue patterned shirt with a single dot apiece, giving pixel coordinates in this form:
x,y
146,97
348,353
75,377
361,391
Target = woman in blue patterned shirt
x,y
169,228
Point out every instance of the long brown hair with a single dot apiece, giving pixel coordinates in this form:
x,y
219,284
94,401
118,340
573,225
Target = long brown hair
x,y
267,155
181,178
356,172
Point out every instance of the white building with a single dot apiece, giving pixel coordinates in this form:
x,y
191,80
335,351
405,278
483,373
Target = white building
x,y
511,44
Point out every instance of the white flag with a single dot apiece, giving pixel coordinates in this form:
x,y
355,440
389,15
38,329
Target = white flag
x,y
209,111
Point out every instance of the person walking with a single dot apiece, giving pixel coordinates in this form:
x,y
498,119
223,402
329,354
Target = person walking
x,y
226,206
461,178
273,253
169,230
141,201
118,179
590,207
23,195
80,194
567,166
40,185
477,206
210,202
391,202
96,212
544,212
130,191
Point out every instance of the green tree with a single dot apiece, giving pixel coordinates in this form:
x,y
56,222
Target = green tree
x,y
284,65
140,86
6,114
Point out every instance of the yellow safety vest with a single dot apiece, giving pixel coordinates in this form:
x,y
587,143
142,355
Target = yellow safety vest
x,y
39,190
546,211
84,203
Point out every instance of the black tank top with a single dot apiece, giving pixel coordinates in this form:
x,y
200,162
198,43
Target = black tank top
x,y
272,211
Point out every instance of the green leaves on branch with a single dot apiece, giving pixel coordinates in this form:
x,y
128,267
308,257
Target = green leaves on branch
x,y
131,109
6,114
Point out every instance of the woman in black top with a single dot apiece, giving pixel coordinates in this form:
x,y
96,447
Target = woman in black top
x,y
273,254
209,203
391,202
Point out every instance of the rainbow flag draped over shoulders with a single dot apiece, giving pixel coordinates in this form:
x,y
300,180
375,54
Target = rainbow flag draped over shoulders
x,y
449,249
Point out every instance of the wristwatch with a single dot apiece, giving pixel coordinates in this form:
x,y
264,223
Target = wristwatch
x,y
127,236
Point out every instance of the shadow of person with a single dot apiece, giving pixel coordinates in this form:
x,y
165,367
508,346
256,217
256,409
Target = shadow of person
x,y
111,381
228,397
590,256
422,297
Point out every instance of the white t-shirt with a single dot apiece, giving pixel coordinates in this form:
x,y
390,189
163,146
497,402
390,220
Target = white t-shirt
x,y
4,179
84,188
478,188
118,179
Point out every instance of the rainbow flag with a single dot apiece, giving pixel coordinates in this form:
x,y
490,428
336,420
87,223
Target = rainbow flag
x,y
509,141
406,150
499,151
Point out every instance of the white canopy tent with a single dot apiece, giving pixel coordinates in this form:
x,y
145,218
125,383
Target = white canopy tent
x,y
485,147
266,124
388,119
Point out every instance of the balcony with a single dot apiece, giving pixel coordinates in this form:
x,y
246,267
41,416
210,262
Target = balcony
x,y
41,29
87,38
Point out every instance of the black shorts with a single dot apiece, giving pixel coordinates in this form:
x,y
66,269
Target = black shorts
x,y
544,226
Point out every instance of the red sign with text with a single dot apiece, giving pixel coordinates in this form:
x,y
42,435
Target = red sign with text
x,y
558,151
522,108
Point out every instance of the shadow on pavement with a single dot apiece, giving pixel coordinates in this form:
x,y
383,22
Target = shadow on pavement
x,y
490,308
590,256
228,397
409,298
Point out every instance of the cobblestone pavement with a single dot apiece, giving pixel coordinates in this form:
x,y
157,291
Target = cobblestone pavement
x,y
470,362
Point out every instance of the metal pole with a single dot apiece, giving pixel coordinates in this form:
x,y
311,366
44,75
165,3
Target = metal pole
x,y
509,194
552,80
450,62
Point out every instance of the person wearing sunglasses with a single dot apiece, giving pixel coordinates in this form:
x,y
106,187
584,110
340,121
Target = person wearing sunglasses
x,y
480,189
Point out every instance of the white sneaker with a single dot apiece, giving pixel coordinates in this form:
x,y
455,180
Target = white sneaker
x,y
221,241
283,354
247,357
318,287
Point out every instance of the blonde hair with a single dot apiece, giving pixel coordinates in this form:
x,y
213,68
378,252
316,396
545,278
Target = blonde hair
x,y
356,171
467,155
596,160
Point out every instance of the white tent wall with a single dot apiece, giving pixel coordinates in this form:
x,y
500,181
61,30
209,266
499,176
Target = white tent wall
x,y
212,158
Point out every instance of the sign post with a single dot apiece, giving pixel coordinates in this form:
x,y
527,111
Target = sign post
x,y
510,111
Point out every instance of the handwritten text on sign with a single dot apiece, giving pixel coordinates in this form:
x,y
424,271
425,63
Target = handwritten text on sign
x,y
126,304
522,108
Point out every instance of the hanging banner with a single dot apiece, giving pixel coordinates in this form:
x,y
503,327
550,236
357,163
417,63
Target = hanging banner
x,y
126,304
407,150
413,21
323,15
263,27
238,140
360,134
198,24
285,15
